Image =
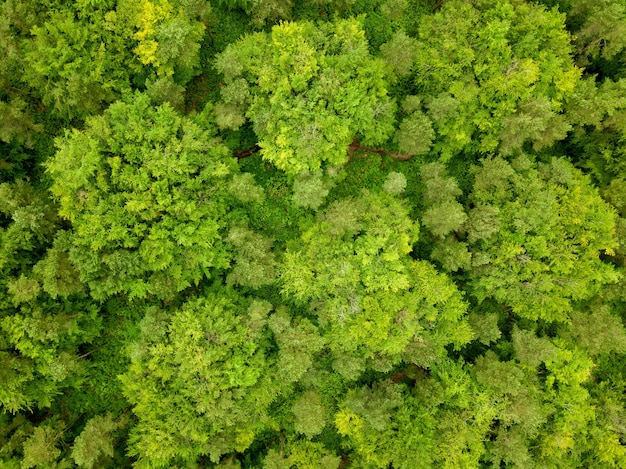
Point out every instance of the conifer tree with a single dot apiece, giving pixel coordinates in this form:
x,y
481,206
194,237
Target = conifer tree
x,y
203,383
377,306
308,90
491,76
145,190
549,227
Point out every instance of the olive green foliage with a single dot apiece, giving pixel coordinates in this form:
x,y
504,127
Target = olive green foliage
x,y
310,190
140,186
94,442
308,90
598,28
255,265
334,234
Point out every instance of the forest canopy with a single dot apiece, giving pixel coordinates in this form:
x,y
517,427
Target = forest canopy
x,y
328,234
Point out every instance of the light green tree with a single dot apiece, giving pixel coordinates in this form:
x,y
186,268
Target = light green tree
x,y
494,75
200,381
308,90
145,190
537,247
376,306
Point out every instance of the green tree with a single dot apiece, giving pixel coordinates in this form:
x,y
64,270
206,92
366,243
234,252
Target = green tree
x,y
598,29
39,335
494,75
444,217
95,443
201,381
308,90
77,62
376,306
538,250
145,190
168,35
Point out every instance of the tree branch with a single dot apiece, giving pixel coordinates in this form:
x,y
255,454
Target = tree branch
x,y
239,154
355,145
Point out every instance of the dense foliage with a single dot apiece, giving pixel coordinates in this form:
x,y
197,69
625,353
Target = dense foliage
x,y
313,234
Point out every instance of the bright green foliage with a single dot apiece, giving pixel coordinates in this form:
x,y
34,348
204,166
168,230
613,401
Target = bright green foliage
x,y
299,342
547,417
451,254
168,36
401,432
440,422
169,300
312,90
599,106
494,75
200,383
598,331
374,230
532,350
373,302
78,66
38,350
85,55
38,336
244,189
550,228
395,183
144,189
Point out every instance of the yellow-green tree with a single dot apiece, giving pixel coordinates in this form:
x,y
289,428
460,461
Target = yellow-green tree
x,y
308,90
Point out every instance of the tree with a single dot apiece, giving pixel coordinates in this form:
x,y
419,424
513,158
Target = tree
x,y
95,441
201,381
376,305
536,234
145,191
40,332
598,29
168,36
77,62
308,90
494,75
